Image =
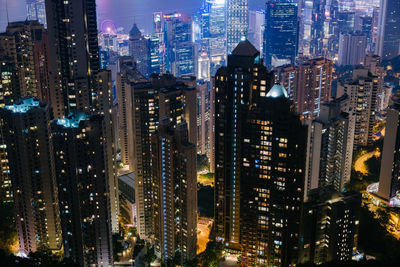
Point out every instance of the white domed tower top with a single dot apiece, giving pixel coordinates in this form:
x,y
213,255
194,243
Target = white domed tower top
x,y
277,91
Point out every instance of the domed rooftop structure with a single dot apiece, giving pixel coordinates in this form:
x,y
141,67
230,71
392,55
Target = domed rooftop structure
x,y
277,91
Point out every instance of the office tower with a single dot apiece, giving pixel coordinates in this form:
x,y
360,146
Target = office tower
x,y
281,33
127,75
310,83
217,40
181,52
362,91
330,147
80,152
155,56
237,22
256,29
139,50
36,10
204,67
162,96
175,191
388,43
389,185
330,226
30,157
352,48
257,136
74,54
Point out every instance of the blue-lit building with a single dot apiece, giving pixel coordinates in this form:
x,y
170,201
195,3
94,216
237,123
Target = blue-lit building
x,y
36,10
281,34
81,168
181,52
237,22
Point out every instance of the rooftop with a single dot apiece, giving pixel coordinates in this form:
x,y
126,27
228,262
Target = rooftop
x,y
23,105
277,91
72,121
245,48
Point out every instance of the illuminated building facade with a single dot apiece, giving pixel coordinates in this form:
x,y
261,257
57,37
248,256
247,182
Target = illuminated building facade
x,y
330,147
36,10
74,54
389,184
388,43
281,33
330,226
28,139
309,85
362,90
237,22
175,192
80,153
163,95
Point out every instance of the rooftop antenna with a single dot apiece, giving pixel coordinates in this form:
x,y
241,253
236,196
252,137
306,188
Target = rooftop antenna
x,y
8,19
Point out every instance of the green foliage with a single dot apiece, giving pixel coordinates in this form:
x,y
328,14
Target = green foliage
x,y
373,239
205,201
150,255
117,246
41,258
202,163
209,176
211,256
8,233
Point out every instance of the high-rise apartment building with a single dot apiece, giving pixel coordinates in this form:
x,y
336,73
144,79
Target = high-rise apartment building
x,y
330,226
309,85
388,43
36,10
127,75
389,184
74,55
175,192
163,95
256,29
330,147
26,129
204,119
362,91
237,22
25,44
281,33
352,48
80,153
256,203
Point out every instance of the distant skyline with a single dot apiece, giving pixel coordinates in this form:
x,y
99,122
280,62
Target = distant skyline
x,y
122,12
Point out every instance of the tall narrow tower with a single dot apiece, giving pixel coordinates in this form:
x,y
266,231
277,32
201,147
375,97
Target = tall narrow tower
x,y
237,22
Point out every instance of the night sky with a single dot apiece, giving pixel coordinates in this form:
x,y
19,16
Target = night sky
x,y
122,12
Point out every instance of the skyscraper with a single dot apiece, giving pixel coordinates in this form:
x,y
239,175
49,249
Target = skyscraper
x,y
389,184
388,43
139,50
36,10
175,191
125,78
309,84
362,91
80,152
30,156
281,33
74,54
256,144
237,22
330,226
330,147
352,48
163,95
